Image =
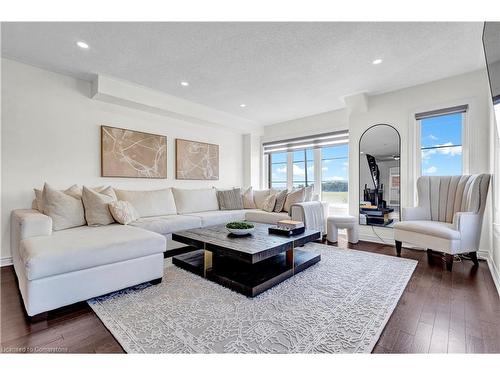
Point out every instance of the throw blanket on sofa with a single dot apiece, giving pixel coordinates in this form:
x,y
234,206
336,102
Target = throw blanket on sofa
x,y
311,213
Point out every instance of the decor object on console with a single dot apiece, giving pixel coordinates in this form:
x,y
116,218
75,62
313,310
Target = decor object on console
x,y
379,160
196,160
131,153
448,217
334,223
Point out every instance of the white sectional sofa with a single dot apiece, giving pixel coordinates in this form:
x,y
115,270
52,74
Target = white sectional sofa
x,y
58,268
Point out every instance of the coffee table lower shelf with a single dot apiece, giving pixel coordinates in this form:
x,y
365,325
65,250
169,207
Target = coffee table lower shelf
x,y
247,279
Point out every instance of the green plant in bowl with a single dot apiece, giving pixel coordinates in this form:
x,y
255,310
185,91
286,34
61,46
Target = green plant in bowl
x,y
240,228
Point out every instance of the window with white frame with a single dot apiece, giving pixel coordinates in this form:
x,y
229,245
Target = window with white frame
x,y
320,161
441,135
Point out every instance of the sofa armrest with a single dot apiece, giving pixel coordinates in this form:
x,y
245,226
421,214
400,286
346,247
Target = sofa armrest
x,y
414,213
311,213
469,226
26,224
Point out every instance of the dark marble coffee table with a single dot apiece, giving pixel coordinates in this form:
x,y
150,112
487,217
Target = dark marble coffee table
x,y
249,265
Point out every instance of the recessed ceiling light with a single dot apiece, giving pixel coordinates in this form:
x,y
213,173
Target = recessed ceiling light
x,y
377,61
184,83
82,44
243,105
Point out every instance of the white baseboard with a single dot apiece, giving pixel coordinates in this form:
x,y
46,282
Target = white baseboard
x,y
5,261
494,271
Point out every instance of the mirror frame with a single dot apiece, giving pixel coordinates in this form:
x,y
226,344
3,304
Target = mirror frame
x,y
359,170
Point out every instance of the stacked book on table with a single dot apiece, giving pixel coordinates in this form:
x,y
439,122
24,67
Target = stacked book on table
x,y
288,228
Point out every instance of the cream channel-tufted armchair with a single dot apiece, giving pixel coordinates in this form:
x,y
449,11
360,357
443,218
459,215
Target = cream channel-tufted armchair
x,y
448,218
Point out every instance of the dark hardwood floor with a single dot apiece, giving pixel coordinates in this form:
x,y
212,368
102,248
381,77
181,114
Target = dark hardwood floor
x,y
439,312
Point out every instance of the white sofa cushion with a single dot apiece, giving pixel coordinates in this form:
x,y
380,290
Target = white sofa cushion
x,y
430,228
96,205
86,247
149,202
264,217
209,218
64,207
168,224
195,200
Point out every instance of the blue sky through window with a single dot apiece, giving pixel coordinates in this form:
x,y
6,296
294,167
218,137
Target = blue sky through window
x,y
335,163
441,145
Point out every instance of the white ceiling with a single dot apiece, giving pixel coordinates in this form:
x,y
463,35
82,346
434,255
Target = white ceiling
x,y
280,70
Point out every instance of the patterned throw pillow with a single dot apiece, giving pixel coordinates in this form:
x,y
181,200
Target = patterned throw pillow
x,y
230,199
123,212
248,201
280,200
269,203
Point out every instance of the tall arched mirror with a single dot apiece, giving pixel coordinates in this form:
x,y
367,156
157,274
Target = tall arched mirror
x,y
379,176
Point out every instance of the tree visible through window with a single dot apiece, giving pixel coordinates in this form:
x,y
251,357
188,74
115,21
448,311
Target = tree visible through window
x,y
441,145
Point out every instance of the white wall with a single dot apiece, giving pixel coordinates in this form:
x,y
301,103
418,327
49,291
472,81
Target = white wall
x,y
51,133
397,108
494,256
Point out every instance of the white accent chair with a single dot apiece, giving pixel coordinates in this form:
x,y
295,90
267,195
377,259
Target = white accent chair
x,y
448,218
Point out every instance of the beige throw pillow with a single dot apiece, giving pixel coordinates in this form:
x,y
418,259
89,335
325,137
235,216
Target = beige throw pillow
x,y
96,205
39,205
64,207
248,201
259,196
296,196
123,212
280,200
269,203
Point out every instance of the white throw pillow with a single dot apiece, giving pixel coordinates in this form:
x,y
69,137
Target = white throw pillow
x,y
149,202
123,212
96,205
248,201
269,203
195,200
64,207
296,196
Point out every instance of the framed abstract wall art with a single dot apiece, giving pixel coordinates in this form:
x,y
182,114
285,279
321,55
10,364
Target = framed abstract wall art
x,y
130,153
196,160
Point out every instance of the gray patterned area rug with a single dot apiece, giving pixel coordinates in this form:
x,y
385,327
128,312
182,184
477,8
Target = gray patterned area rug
x,y
339,305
